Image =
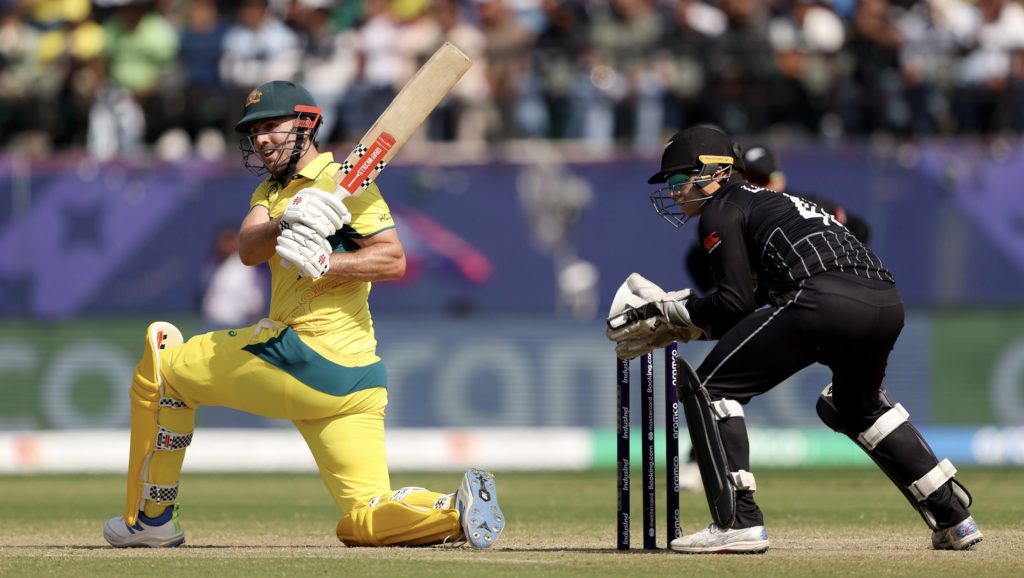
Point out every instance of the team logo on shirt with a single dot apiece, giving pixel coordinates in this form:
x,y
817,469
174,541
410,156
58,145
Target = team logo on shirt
x,y
712,241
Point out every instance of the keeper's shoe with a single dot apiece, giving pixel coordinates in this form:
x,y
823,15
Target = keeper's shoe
x,y
479,513
713,540
163,531
960,537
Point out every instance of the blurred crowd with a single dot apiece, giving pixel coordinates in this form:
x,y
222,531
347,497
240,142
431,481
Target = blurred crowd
x,y
121,76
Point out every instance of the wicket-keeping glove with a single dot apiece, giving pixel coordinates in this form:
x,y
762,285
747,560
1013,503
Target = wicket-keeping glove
x,y
644,317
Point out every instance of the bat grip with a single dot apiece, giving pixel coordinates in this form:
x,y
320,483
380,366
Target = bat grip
x,y
633,315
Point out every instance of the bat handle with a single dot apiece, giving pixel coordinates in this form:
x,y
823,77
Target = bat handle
x,y
633,315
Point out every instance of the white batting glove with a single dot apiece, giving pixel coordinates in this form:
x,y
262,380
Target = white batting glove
x,y
306,249
317,209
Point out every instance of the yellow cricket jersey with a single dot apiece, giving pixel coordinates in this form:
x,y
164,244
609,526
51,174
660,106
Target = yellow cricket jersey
x,y
331,314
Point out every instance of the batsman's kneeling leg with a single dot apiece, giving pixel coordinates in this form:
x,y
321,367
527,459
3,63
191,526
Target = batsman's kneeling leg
x,y
896,446
406,517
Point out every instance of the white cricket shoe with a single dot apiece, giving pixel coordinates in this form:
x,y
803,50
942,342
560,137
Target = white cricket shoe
x,y
163,531
479,513
960,537
713,540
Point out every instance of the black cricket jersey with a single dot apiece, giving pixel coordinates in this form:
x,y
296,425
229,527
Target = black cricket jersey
x,y
762,245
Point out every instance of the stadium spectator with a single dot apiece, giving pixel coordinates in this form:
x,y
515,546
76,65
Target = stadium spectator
x,y
141,47
983,97
421,36
691,25
925,59
68,56
204,109
328,68
557,49
379,67
507,45
740,63
463,116
20,73
258,46
875,89
806,41
627,102
613,73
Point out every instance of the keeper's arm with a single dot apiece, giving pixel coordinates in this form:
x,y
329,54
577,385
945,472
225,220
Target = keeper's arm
x,y
258,236
379,258
730,266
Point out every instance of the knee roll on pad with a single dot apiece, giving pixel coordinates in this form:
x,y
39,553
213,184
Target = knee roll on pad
x,y
896,421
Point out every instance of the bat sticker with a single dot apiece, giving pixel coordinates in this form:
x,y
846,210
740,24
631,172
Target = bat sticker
x,y
367,161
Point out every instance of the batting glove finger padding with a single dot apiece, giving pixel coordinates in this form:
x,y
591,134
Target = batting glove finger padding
x,y
311,255
322,211
307,236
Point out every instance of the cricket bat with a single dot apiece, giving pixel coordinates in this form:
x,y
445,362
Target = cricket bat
x,y
401,118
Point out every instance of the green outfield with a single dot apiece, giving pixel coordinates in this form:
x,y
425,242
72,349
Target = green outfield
x,y
821,523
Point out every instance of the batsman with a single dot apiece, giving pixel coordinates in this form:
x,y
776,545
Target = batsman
x,y
313,360
793,287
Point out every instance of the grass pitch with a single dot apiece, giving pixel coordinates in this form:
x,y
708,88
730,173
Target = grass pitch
x,y
821,523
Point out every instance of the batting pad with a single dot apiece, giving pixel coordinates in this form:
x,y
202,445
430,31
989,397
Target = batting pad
x,y
145,394
406,517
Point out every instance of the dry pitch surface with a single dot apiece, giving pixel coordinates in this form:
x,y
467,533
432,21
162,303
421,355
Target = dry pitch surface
x,y
821,523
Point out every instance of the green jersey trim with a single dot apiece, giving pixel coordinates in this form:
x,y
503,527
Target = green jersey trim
x,y
288,353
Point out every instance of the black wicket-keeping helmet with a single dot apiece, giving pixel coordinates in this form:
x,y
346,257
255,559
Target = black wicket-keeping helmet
x,y
698,156
697,149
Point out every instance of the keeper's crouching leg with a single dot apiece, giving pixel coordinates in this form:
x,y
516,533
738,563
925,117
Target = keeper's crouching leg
x,y
406,517
901,453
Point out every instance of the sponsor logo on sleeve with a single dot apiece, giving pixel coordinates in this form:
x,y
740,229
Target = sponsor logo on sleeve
x,y
712,241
